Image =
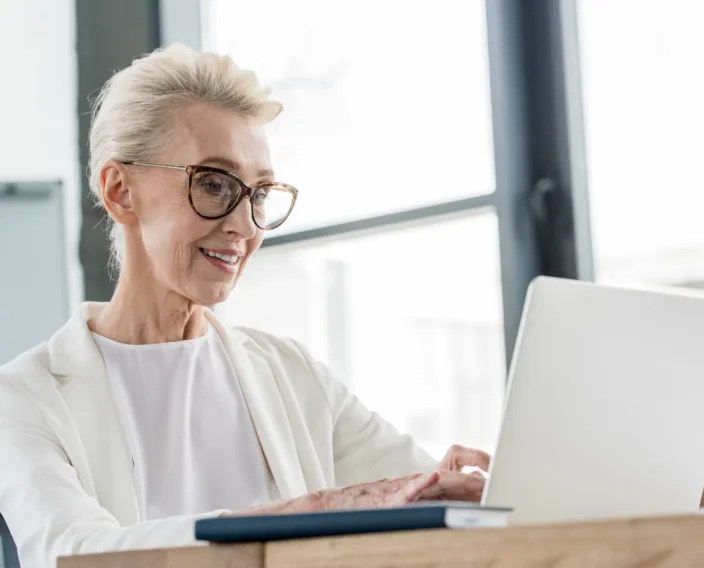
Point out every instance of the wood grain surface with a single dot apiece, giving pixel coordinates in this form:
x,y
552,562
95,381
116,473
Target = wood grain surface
x,y
234,556
671,542
654,543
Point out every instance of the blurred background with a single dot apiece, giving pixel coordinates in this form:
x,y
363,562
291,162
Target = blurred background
x,y
446,152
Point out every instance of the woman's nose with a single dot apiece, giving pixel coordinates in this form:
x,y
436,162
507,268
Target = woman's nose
x,y
240,220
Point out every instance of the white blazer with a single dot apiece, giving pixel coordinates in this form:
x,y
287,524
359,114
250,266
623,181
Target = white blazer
x,y
67,483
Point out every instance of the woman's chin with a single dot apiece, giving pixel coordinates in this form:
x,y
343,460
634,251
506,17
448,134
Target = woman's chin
x,y
210,294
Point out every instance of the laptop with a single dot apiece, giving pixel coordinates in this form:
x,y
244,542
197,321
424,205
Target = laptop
x,y
604,414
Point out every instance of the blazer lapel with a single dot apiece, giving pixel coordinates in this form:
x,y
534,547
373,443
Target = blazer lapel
x,y
267,410
98,437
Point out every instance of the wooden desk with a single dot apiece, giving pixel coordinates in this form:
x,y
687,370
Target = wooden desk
x,y
236,556
656,543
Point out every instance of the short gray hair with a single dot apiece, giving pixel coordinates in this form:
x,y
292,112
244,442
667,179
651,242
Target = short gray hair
x,y
130,114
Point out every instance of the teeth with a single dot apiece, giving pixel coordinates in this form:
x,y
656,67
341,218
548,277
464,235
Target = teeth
x,y
224,257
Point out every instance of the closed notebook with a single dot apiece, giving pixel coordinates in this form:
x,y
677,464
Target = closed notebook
x,y
417,516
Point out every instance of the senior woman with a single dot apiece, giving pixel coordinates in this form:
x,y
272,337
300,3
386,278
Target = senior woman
x,y
146,413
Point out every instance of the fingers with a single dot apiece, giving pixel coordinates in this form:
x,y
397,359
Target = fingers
x,y
415,487
455,486
458,457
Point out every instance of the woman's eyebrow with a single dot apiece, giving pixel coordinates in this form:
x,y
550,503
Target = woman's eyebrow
x,y
235,167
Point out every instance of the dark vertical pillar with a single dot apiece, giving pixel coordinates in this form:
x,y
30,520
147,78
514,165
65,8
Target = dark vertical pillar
x,y
541,193
110,35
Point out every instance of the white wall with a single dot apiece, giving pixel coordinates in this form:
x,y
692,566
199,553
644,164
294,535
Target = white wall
x,y
38,140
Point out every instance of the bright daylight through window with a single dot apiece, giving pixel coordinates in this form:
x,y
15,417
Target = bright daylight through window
x,y
644,121
358,141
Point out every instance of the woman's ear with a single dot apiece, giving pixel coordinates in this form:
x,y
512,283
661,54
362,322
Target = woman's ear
x,y
115,192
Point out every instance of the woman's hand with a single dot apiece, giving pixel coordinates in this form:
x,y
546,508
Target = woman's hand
x,y
379,494
442,485
448,483
439,486
455,486
459,457
374,495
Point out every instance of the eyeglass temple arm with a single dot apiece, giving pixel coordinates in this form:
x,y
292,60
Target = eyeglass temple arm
x,y
133,163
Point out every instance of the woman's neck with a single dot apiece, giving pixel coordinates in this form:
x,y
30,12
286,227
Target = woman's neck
x,y
143,312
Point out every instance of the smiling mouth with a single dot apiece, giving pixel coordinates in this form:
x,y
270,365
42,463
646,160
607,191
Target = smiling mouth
x,y
226,262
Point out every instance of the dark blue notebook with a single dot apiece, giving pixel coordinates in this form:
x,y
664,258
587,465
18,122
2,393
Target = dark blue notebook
x,y
417,516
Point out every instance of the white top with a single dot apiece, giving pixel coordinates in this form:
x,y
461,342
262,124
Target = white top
x,y
194,445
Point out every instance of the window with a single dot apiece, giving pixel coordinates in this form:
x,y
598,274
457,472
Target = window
x,y
417,338
439,154
383,115
643,93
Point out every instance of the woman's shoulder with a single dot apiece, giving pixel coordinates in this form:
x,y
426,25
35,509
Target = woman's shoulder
x,y
26,373
41,366
30,362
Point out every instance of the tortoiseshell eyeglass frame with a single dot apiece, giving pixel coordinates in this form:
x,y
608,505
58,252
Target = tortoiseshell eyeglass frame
x,y
236,199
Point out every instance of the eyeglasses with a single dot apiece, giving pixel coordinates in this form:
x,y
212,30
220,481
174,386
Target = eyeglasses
x,y
214,193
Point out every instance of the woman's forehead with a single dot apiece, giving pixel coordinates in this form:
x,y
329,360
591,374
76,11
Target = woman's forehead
x,y
219,137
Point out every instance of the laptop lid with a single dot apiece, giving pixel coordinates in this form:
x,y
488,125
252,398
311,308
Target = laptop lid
x,y
604,414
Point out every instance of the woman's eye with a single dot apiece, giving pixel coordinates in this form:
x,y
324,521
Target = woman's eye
x,y
213,185
259,198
